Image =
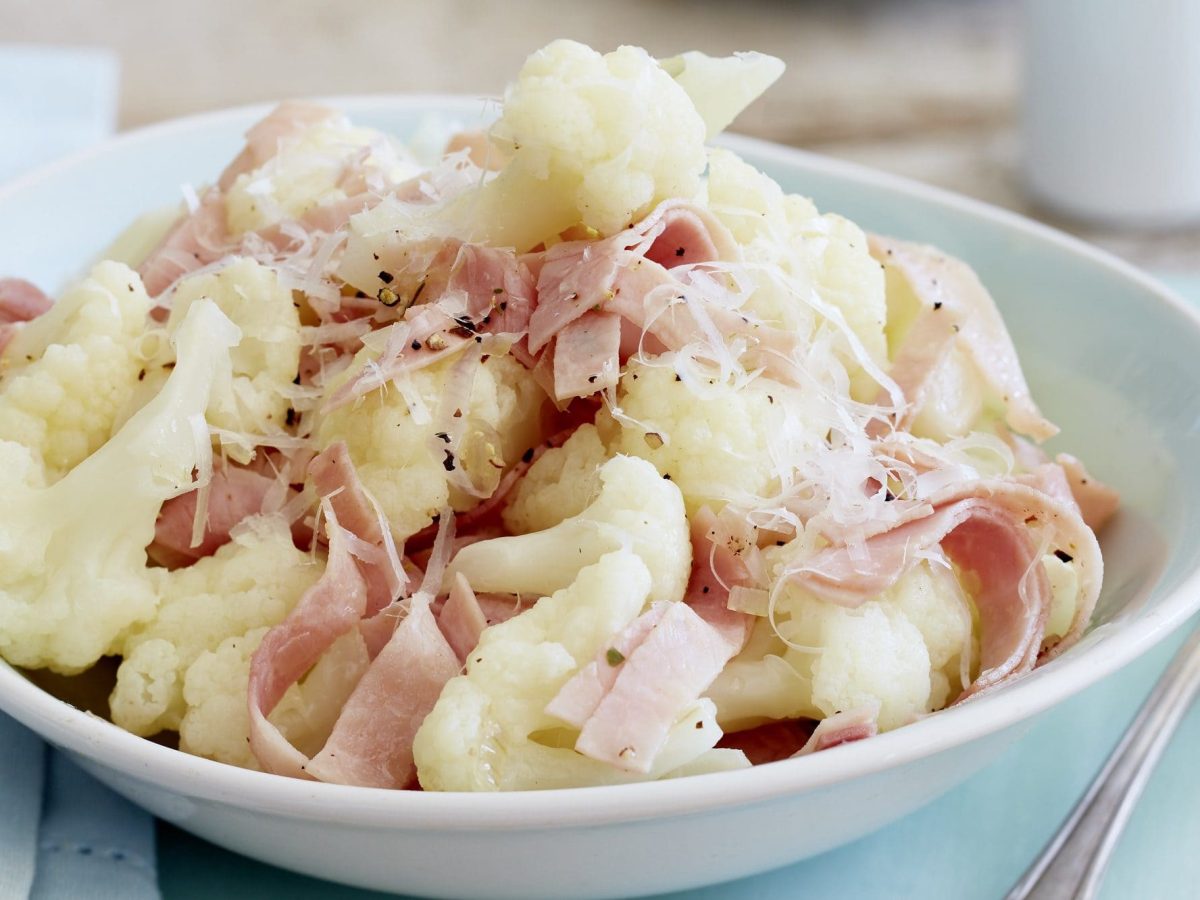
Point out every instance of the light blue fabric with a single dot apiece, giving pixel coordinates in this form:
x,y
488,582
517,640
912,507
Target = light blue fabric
x,y
22,764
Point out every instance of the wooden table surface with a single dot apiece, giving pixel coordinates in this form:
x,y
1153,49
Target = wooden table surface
x,y
924,88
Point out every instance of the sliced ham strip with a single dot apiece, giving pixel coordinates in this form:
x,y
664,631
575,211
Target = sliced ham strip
x,y
462,619
587,356
578,699
656,683
577,276
335,479
715,570
371,744
20,301
329,609
688,234
981,526
234,493
950,291
198,239
1097,501
842,728
981,537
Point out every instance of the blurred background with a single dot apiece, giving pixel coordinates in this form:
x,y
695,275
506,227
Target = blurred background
x,y
930,89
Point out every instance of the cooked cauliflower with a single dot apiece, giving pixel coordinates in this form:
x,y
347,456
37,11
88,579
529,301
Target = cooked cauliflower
x,y
713,439
66,375
265,363
794,254
901,650
310,170
594,139
73,575
489,730
250,582
635,508
393,438
216,723
559,485
1064,595
721,87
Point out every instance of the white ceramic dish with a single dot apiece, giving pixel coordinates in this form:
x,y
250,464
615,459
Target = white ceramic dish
x,y
1112,355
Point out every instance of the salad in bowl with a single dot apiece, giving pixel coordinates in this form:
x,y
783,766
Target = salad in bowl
x,y
574,452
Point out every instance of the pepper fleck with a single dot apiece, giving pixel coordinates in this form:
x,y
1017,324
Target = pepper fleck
x,y
386,277
614,656
448,462
1063,555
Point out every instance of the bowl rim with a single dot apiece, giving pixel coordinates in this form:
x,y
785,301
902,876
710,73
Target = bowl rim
x,y
111,748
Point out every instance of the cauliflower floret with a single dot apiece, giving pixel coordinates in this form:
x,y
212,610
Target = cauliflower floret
x,y
489,730
395,447
216,723
559,485
310,170
901,651
721,87
250,582
715,440
794,252
635,508
73,576
1064,595
66,375
595,139
268,357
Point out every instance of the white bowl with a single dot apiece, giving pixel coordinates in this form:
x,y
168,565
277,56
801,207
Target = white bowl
x,y
1112,355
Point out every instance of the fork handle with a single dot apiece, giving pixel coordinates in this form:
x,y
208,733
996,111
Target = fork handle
x,y
1072,865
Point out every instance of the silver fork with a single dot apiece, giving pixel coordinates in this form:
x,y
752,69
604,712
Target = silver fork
x,y
1072,865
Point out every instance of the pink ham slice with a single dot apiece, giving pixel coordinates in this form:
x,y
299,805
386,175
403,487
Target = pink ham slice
x,y
461,618
587,356
235,493
842,728
335,478
675,662
371,744
577,276
579,698
956,310
716,569
329,609
20,301
982,527
625,701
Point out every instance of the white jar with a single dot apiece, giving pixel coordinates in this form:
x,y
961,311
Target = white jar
x,y
1111,112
